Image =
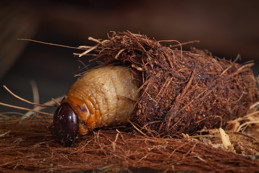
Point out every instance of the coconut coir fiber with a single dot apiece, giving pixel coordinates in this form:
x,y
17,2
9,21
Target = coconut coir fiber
x,y
181,91
28,146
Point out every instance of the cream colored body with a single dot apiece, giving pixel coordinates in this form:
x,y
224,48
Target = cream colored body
x,y
106,95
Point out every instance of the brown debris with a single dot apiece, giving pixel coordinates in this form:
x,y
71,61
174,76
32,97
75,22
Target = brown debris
x,y
241,135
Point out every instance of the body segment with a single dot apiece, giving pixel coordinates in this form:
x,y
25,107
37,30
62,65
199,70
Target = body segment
x,y
102,97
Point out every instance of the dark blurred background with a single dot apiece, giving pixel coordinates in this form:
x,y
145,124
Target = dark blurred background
x,y
226,28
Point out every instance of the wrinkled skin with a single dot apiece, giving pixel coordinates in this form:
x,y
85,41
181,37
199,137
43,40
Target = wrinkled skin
x,y
102,97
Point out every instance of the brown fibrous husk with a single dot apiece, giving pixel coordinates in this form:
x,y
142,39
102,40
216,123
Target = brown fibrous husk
x,y
180,91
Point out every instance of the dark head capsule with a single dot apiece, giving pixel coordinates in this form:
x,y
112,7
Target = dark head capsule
x,y
65,123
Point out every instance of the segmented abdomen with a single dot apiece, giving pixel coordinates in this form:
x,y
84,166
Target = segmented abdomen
x,y
102,97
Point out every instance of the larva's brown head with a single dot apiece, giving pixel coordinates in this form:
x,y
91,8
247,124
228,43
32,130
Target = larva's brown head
x,y
65,123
